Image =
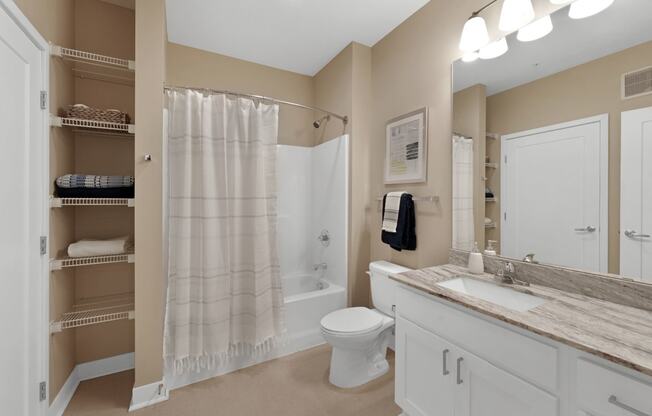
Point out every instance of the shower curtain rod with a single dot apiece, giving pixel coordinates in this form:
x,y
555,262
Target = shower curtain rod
x,y
345,119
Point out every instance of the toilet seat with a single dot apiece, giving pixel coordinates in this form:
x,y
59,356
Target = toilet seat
x,y
352,321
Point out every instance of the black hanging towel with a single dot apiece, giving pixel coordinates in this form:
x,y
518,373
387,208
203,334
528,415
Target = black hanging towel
x,y
405,237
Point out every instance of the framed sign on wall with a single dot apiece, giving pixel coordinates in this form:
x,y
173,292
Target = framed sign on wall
x,y
405,148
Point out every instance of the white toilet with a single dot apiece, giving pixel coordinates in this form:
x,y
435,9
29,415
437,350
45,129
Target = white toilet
x,y
360,336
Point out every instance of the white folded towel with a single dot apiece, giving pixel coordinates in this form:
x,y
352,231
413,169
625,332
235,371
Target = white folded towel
x,y
86,248
390,211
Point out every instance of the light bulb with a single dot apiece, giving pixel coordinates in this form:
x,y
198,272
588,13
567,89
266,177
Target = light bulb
x,y
535,30
515,14
474,34
585,8
470,56
494,49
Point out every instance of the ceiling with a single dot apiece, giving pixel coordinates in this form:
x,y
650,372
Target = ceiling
x,y
296,35
572,42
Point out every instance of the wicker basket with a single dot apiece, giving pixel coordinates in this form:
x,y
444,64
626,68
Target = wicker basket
x,y
89,113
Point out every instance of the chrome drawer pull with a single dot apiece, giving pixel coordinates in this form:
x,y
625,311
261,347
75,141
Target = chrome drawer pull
x,y
614,400
587,229
459,374
445,360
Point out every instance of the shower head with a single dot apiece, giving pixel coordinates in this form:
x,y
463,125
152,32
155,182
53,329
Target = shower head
x,y
317,123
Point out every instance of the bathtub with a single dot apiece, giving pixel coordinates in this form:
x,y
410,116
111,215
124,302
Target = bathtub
x,y
307,299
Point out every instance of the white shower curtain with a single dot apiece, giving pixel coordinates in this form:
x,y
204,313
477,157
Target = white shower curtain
x,y
224,287
463,224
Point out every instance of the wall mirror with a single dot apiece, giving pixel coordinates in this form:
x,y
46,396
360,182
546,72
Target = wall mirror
x,y
552,144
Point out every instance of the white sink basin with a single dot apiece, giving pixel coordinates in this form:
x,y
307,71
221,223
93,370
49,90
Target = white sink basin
x,y
498,295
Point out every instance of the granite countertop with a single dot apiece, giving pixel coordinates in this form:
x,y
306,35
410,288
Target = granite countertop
x,y
618,333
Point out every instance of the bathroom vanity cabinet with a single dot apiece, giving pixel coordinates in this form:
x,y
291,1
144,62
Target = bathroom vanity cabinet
x,y
454,361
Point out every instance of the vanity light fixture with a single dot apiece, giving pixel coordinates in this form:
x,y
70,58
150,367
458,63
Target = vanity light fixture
x,y
470,56
535,30
494,49
474,34
585,8
515,14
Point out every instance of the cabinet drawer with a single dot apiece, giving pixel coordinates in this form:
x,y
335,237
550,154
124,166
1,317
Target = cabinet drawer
x,y
596,384
531,360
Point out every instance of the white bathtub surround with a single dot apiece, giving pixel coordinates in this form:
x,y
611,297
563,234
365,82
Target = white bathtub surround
x,y
313,196
224,290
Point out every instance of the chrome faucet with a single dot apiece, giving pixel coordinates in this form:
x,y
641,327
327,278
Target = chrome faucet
x,y
506,275
320,266
529,258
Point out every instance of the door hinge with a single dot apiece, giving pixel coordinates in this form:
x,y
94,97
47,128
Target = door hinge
x,y
42,391
505,216
505,159
44,100
43,246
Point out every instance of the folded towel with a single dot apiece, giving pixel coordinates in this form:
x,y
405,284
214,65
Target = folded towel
x,y
125,192
391,205
405,237
86,248
487,221
94,181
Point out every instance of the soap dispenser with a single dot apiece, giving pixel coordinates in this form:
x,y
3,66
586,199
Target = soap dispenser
x,y
476,263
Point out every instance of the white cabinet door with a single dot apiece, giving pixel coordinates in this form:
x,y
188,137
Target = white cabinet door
x,y
424,372
554,194
23,164
636,194
484,390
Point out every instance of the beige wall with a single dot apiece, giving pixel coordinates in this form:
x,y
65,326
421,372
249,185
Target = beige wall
x,y
55,21
192,67
343,86
586,90
151,39
469,119
411,69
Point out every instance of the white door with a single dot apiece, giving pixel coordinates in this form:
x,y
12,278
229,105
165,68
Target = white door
x,y
554,194
636,194
485,390
424,373
22,215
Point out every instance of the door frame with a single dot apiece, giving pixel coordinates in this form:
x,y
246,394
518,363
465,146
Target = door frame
x,y
603,122
41,290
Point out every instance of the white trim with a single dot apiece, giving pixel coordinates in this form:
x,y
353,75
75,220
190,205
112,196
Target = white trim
x,y
148,395
41,157
88,371
603,122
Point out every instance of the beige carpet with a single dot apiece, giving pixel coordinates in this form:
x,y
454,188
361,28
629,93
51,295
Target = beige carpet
x,y
296,385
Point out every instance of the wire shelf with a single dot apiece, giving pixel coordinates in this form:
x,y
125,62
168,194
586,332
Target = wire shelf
x,y
57,121
490,225
96,311
92,58
64,263
88,202
490,200
491,165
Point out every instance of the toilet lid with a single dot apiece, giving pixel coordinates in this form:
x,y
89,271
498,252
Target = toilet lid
x,y
352,320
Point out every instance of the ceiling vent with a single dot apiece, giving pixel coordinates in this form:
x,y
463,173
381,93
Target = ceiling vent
x,y
637,83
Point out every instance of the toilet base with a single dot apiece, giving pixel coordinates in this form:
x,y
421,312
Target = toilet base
x,y
355,367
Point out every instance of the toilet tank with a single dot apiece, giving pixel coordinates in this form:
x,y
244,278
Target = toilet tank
x,y
383,289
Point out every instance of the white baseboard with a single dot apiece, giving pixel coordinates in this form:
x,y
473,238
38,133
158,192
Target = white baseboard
x,y
87,371
148,395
